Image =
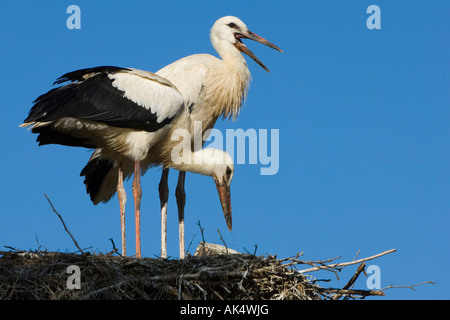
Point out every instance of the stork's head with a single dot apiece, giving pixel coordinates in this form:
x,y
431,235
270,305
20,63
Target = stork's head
x,y
229,31
219,165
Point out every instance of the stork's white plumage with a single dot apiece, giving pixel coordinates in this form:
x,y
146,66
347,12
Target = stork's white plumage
x,y
129,117
211,87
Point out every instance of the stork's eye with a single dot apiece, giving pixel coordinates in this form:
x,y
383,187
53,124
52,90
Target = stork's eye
x,y
228,172
233,25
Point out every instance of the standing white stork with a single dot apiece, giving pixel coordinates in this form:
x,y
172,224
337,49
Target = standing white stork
x,y
129,116
211,87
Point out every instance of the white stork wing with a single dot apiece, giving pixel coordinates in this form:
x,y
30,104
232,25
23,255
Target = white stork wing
x,y
121,97
188,75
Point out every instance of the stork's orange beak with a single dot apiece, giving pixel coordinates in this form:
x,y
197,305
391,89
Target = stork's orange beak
x,y
252,36
225,200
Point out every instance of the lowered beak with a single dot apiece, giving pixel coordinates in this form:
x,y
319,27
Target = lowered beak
x,y
225,200
243,48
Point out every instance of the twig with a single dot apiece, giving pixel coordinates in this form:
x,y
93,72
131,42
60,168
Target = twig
x,y
322,266
356,255
203,236
201,231
343,264
190,244
352,280
14,249
115,250
64,225
355,276
408,287
221,238
363,293
93,293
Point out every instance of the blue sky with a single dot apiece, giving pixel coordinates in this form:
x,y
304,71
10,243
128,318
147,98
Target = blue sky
x,y
363,119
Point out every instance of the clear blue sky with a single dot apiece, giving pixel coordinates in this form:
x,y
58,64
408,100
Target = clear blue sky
x,y
363,117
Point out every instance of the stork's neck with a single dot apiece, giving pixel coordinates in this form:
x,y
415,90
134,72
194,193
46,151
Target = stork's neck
x,y
230,55
199,161
227,82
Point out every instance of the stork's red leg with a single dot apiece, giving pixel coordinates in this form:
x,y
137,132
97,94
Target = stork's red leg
x,y
122,200
181,201
137,193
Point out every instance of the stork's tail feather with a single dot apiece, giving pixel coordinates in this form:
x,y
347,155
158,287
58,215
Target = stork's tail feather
x,y
50,135
100,179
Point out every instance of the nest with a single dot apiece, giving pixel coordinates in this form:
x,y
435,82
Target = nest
x,y
209,275
47,275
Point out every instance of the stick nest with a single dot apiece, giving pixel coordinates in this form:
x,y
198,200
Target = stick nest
x,y
46,275
43,275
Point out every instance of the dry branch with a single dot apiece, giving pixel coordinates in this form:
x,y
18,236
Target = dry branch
x,y
324,266
64,225
351,281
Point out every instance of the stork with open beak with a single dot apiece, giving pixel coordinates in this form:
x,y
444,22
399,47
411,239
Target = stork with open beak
x,y
212,88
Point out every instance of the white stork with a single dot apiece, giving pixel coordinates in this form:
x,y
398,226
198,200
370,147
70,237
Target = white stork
x,y
211,87
129,116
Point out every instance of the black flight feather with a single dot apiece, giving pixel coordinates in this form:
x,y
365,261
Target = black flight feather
x,y
94,99
95,173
